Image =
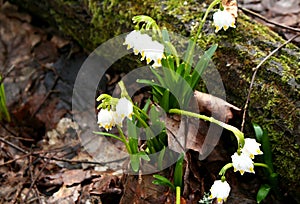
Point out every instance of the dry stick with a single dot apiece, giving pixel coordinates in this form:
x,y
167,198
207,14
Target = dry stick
x,y
35,179
7,73
36,154
254,74
269,21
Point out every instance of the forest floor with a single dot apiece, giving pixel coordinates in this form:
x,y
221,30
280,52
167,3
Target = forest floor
x,y
41,156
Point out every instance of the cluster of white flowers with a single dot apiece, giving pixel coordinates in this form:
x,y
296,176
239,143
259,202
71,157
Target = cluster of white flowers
x,y
223,19
144,45
109,118
243,162
220,190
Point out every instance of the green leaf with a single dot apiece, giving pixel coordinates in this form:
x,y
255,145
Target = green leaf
x,y
179,171
165,100
258,132
202,65
161,158
4,114
144,156
263,138
180,69
262,192
161,180
109,135
135,162
188,57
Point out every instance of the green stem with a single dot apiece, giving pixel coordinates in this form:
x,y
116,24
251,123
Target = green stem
x,y
265,166
210,7
177,194
124,139
136,114
225,168
238,134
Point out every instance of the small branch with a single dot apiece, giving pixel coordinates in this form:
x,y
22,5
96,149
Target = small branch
x,y
254,75
37,154
269,21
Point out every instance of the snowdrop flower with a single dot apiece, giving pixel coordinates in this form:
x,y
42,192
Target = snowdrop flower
x,y
242,163
223,19
144,45
251,148
124,108
220,190
131,39
106,119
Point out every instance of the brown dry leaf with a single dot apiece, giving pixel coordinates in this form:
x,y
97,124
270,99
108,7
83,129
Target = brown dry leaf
x,y
66,195
198,135
142,191
214,106
71,177
231,7
105,183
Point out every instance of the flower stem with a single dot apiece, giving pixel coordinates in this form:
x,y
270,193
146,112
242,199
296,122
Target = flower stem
x,y
215,2
124,139
177,194
225,168
265,166
238,134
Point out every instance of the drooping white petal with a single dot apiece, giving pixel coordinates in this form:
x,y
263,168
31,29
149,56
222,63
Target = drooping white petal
x,y
124,108
220,190
242,163
223,19
131,39
144,45
106,119
251,148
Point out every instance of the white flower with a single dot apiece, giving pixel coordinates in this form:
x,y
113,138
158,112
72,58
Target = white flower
x,y
124,108
106,119
220,190
223,19
251,148
242,163
131,39
144,45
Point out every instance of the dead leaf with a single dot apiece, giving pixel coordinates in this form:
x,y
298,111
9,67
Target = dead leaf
x,y
214,106
66,195
231,7
71,177
198,135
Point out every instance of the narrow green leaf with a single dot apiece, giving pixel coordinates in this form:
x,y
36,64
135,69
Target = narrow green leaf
x,y
258,132
163,181
135,162
144,156
3,106
202,65
109,135
262,192
165,100
188,57
179,171
161,158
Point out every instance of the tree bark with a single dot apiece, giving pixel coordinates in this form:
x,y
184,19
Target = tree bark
x,y
275,98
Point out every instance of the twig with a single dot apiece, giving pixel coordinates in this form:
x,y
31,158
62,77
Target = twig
x,y
7,73
254,75
269,21
37,154
35,179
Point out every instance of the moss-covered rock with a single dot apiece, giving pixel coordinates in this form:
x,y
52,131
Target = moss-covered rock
x,y
275,98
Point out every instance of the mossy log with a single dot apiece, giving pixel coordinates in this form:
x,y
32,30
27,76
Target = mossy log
x,y
275,98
